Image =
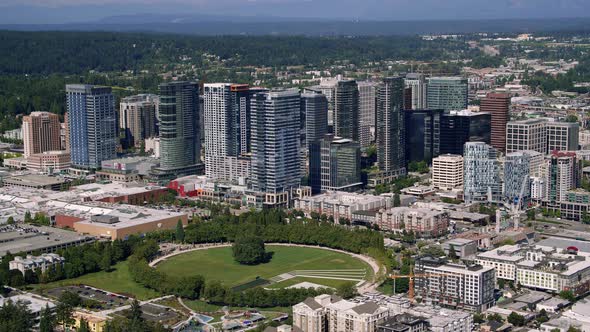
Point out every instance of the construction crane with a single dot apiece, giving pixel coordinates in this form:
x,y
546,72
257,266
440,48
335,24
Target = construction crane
x,y
412,276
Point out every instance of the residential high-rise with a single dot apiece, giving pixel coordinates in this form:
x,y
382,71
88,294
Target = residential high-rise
x,y
346,110
497,104
447,93
562,136
423,134
469,287
481,179
41,133
339,165
367,109
526,135
447,171
314,108
326,87
137,117
562,173
91,124
417,84
275,141
517,178
178,115
391,125
460,127
227,131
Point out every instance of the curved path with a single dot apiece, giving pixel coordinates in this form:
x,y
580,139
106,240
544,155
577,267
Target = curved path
x,y
364,288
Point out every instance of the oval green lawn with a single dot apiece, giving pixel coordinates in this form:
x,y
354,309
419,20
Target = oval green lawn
x,y
218,264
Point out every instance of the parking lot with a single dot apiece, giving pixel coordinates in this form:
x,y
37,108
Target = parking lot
x,y
106,299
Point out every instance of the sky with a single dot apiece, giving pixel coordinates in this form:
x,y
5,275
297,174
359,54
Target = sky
x,y
71,11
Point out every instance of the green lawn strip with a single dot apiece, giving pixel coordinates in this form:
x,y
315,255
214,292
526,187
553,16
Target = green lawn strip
x,y
320,281
214,310
118,281
218,263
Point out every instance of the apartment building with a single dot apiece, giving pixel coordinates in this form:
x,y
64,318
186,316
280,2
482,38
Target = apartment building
x,y
423,222
540,267
32,263
468,287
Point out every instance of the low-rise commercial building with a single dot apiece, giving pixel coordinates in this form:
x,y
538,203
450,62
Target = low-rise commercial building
x,y
49,162
120,192
33,181
28,238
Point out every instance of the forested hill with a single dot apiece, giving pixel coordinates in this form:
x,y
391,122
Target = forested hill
x,y
78,52
265,26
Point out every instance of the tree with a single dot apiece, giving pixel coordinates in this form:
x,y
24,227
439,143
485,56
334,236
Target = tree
x,y
71,299
28,218
15,316
10,221
249,250
531,214
135,313
478,318
573,329
47,322
567,295
347,290
106,259
501,283
179,232
83,326
396,200
63,315
495,317
516,319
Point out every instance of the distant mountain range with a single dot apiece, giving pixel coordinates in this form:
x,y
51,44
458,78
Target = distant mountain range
x,y
261,25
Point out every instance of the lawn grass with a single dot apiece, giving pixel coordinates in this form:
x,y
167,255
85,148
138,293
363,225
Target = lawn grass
x,y
218,264
118,281
296,280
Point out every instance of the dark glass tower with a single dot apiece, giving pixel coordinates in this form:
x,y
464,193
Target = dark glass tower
x,y
178,115
390,125
346,110
422,134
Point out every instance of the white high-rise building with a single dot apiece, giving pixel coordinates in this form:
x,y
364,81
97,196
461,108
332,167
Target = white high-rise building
x,y
517,178
537,188
367,112
226,106
481,173
447,171
416,82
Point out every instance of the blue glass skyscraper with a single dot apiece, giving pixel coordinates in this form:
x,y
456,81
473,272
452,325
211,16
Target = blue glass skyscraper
x,y
92,124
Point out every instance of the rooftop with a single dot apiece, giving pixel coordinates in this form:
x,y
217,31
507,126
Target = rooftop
x,y
28,238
